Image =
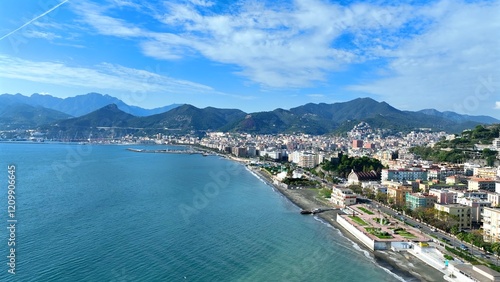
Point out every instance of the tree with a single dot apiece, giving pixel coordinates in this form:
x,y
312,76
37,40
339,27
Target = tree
x,y
495,247
381,197
368,192
455,230
356,189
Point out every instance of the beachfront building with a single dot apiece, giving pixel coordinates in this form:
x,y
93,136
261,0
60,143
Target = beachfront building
x,y
461,213
342,196
239,151
475,184
472,273
419,200
304,159
403,175
491,224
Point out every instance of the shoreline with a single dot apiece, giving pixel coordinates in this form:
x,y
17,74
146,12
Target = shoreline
x,y
402,265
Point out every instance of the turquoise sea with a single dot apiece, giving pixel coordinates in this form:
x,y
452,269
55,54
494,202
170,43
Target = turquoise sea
x,y
102,213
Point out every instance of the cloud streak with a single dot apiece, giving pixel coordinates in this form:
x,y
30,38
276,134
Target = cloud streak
x,y
102,76
32,20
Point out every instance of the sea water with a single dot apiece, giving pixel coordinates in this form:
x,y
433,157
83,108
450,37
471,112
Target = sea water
x,y
103,213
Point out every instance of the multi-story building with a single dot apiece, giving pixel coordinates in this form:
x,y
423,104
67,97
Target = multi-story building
x,y
342,196
403,175
239,151
397,194
304,159
356,144
491,224
455,179
477,206
485,172
494,199
461,212
475,184
444,196
419,200
308,160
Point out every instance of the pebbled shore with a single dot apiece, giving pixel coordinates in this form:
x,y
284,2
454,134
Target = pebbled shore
x,y
404,265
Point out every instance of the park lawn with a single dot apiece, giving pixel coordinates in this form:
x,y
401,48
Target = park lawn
x,y
358,220
379,235
365,210
405,234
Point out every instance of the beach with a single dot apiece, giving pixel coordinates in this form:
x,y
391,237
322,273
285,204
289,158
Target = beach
x,y
402,264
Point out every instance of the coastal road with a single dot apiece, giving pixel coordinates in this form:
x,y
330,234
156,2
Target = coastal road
x,y
429,230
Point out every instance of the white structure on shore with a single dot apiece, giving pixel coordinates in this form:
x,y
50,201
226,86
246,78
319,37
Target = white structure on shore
x,y
343,196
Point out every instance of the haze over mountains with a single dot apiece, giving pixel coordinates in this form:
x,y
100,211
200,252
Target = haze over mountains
x,y
95,113
79,105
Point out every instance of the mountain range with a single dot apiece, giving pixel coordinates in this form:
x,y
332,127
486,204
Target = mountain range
x,y
309,118
78,105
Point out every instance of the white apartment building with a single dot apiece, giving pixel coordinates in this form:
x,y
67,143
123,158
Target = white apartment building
x,y
494,199
491,224
343,196
475,184
304,159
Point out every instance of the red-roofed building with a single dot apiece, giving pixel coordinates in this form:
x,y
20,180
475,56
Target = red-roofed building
x,y
360,177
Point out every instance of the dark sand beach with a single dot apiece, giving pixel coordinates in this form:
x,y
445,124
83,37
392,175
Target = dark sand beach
x,y
402,264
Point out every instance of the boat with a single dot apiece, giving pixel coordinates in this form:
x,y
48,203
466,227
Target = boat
x,y
305,212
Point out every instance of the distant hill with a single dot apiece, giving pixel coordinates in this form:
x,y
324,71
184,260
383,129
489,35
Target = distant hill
x,y
188,117
310,118
22,116
110,119
80,104
460,118
341,117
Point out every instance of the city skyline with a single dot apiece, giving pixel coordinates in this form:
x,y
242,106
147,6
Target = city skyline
x,y
256,55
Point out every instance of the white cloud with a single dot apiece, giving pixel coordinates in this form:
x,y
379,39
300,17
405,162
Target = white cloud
x,y
103,76
450,64
40,34
92,14
441,51
286,45
497,105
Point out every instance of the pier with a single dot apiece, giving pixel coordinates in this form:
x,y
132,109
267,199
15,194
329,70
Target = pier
x,y
169,151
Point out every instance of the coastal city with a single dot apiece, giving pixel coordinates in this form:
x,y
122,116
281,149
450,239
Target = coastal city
x,y
393,201
205,140
444,214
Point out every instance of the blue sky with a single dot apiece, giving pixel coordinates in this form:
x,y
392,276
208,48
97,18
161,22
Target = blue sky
x,y
256,55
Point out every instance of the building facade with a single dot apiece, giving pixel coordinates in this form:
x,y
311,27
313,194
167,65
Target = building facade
x,y
343,196
460,212
491,224
403,175
419,200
